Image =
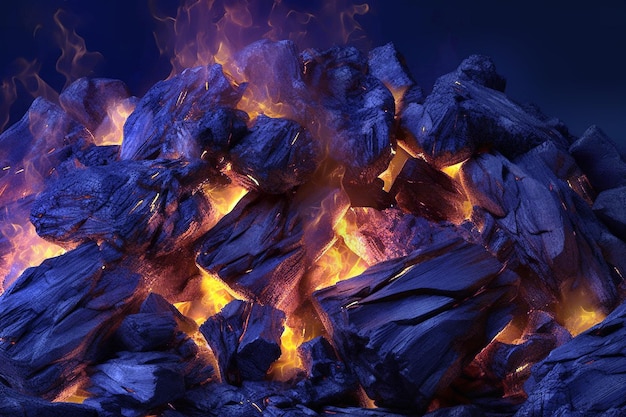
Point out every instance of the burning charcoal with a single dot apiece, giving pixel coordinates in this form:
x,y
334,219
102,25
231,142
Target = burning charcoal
x,y
80,299
610,207
31,149
551,245
369,195
276,156
144,332
169,121
98,155
245,338
461,411
464,114
389,66
408,325
584,376
427,192
363,412
87,100
328,381
263,247
355,113
382,235
140,381
14,404
274,75
599,158
138,205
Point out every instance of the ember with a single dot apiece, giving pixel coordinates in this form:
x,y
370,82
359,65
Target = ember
x,y
294,232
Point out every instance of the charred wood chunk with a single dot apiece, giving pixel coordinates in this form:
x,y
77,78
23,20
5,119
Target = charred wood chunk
x,y
31,149
144,332
174,119
584,376
273,71
369,195
263,247
610,207
245,338
427,192
407,326
57,317
137,380
364,412
354,111
545,220
600,159
276,156
15,404
98,155
464,114
88,99
140,206
378,236
389,66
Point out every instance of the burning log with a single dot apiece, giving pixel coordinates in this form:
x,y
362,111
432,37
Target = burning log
x,y
584,376
245,338
276,156
87,100
184,116
553,250
599,158
15,404
427,192
56,318
157,363
264,246
140,206
467,111
405,331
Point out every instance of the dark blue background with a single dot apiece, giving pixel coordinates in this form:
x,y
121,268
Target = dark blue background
x,y
566,57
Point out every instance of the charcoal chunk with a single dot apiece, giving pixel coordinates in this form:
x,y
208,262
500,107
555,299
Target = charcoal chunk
x,y
81,299
599,158
169,121
137,205
276,156
405,331
14,404
610,208
463,115
245,338
389,66
88,99
425,191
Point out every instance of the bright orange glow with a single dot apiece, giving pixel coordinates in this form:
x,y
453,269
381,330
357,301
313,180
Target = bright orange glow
x,y
582,319
453,170
224,199
289,362
111,130
395,166
28,249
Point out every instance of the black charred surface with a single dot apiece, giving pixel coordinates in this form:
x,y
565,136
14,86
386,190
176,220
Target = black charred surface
x,y
263,247
57,317
88,99
245,338
464,113
425,191
407,326
369,195
276,156
168,121
610,207
155,364
389,66
554,250
354,111
583,377
140,206
599,158
15,404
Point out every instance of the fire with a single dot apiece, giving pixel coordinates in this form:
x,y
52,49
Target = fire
x,y
111,130
224,199
395,166
289,363
582,319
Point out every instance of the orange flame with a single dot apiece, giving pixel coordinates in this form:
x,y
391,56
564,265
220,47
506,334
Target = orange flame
x,y
111,130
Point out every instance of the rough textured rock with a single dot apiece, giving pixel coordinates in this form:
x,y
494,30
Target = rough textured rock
x,y
81,297
169,121
406,331
464,113
610,207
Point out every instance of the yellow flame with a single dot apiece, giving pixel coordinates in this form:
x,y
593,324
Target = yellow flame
x,y
582,319
289,363
453,170
111,130
393,170
224,199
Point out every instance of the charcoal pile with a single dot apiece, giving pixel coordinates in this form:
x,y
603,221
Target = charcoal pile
x,y
379,251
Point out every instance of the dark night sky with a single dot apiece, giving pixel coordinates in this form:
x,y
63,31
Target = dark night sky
x,y
566,57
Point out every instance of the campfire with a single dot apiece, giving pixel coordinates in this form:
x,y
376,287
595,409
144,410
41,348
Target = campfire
x,y
302,232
